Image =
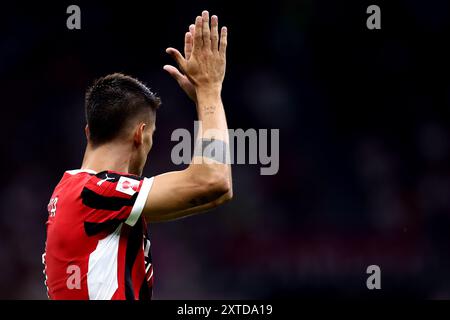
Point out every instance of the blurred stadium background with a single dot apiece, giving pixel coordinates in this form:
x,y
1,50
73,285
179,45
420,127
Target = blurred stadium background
x,y
364,142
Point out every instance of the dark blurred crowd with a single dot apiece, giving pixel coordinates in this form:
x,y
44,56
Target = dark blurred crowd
x,y
364,120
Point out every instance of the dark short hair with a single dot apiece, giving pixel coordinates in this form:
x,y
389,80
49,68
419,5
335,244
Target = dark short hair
x,y
113,101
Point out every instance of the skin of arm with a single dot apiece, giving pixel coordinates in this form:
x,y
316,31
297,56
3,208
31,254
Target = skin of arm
x,y
206,183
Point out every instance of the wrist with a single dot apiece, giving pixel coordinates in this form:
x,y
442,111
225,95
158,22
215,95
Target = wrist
x,y
208,90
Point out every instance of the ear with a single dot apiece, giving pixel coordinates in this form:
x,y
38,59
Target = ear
x,y
87,132
139,134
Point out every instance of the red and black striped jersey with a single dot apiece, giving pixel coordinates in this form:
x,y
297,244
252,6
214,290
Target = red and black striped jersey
x,y
97,243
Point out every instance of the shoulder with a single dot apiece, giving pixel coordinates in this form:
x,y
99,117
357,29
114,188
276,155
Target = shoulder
x,y
113,183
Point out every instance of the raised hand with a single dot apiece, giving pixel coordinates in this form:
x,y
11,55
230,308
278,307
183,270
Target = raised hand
x,y
204,60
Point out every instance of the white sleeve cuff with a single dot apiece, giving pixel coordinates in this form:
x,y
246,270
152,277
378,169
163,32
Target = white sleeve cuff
x,y
139,204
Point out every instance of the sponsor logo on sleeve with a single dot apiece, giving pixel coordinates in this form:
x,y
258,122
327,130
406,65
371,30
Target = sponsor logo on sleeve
x,y
127,185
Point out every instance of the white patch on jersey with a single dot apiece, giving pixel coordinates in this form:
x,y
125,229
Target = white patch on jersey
x,y
102,269
127,185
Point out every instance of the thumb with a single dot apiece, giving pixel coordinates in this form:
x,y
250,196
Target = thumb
x,y
176,55
174,72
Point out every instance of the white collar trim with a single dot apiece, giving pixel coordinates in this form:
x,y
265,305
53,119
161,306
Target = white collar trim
x,y
74,172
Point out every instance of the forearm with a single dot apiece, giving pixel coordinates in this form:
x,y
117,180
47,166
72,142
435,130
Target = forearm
x,y
211,114
212,133
206,183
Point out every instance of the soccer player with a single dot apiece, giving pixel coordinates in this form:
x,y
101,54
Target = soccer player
x,y
97,245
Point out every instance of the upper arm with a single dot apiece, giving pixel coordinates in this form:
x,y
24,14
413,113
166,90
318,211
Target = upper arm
x,y
179,191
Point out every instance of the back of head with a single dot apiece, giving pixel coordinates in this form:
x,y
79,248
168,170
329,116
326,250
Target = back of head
x,y
113,103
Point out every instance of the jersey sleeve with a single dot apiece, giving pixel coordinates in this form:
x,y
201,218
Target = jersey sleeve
x,y
115,197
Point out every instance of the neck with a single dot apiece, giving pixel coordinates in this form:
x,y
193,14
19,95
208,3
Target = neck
x,y
111,156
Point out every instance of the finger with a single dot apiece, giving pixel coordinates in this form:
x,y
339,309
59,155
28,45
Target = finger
x,y
223,41
214,33
174,72
192,29
206,32
188,42
198,34
176,55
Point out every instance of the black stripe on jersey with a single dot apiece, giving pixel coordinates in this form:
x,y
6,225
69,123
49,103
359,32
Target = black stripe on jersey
x,y
98,201
93,228
134,244
145,293
114,177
